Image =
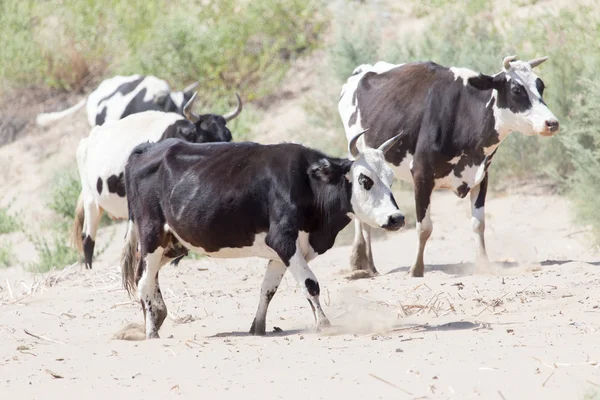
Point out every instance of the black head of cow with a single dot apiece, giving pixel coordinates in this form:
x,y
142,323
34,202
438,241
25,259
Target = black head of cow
x,y
210,127
517,98
369,178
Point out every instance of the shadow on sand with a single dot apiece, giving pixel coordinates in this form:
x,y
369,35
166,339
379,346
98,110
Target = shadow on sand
x,y
274,333
561,262
460,269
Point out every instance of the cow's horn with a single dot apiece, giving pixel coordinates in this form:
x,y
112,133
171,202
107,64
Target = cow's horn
x,y
537,61
507,60
190,88
388,144
187,109
231,115
352,148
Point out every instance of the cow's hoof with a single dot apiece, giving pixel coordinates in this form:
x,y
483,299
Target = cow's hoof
x,y
258,329
416,272
153,335
323,324
362,274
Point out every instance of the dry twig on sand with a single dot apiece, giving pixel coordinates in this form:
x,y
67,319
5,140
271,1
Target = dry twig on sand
x,y
42,337
390,383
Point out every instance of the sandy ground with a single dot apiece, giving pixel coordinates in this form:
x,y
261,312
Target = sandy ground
x,y
527,330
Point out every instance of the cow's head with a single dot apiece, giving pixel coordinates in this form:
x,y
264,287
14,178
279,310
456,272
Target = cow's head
x,y
518,102
369,179
211,127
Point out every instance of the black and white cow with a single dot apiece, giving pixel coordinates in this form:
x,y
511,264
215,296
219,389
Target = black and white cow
x,y
101,159
454,119
283,202
120,96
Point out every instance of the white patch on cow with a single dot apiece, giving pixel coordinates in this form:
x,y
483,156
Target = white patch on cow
x,y
307,251
531,121
373,206
464,74
258,248
105,152
403,170
456,159
471,175
177,98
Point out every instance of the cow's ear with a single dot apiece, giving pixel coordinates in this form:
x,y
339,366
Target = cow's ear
x,y
329,171
188,133
485,82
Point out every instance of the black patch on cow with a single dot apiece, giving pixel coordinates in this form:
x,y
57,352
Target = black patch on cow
x,y
124,88
269,295
480,201
354,97
88,251
99,185
116,185
101,118
514,96
353,118
365,181
539,84
463,190
312,287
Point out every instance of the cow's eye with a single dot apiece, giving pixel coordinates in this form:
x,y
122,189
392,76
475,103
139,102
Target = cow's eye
x,y
516,90
365,181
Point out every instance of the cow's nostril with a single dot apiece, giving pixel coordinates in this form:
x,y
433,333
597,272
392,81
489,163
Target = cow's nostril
x,y
552,125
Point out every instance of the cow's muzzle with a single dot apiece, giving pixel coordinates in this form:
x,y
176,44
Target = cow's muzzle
x,y
551,126
394,222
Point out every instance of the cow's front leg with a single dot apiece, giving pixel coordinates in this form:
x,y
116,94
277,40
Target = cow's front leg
x,y
361,258
478,194
155,310
270,283
423,189
310,286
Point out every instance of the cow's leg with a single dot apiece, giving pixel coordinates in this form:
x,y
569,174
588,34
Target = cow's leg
x,y
310,286
361,259
423,189
275,271
155,310
478,194
92,214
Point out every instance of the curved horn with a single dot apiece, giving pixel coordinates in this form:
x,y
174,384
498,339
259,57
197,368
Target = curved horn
x,y
187,110
352,149
190,88
537,61
231,115
507,60
388,144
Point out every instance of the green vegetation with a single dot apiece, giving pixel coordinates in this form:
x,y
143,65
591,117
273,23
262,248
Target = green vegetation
x,y
225,44
8,223
6,254
54,253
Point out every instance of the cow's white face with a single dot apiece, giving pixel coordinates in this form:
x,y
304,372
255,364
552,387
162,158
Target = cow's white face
x,y
518,99
372,200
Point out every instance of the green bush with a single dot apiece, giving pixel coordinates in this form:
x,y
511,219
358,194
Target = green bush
x,y
225,44
54,253
6,254
8,223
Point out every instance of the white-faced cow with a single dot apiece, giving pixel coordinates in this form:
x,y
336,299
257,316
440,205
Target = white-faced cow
x,y
101,159
454,119
120,96
282,202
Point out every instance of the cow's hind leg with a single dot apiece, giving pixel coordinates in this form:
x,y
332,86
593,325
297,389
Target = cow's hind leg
x,y
310,286
423,190
273,275
478,194
92,214
155,310
361,259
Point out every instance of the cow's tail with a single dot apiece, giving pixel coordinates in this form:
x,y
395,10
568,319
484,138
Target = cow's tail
x,y
77,229
129,259
46,118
